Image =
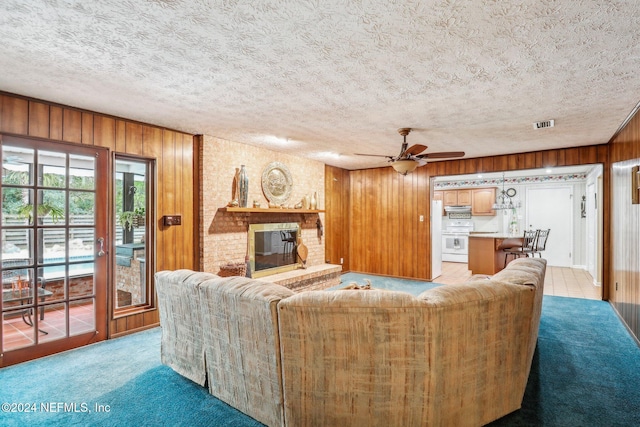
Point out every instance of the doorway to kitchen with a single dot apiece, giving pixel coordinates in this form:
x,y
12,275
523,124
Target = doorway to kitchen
x,y
582,213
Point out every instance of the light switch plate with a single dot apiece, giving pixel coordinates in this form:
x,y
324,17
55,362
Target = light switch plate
x,y
169,220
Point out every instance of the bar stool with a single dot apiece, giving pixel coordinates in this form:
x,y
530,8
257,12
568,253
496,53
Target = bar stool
x,y
541,242
529,239
289,241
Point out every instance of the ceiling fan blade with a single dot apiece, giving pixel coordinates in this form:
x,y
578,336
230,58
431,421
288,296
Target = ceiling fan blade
x,y
441,155
373,155
413,150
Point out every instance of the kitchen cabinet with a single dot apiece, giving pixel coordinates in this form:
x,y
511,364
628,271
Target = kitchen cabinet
x,y
456,198
482,200
464,197
450,198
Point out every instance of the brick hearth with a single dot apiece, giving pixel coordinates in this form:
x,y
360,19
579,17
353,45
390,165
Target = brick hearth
x,y
315,277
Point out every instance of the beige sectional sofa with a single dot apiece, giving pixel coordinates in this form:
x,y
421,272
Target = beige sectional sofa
x,y
454,355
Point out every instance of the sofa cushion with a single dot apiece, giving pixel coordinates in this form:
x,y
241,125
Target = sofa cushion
x,y
516,277
533,266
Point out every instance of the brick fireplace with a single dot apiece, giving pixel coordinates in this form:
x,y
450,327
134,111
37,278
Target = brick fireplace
x,y
224,234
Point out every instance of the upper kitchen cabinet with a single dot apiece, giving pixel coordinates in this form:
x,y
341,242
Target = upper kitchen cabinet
x,y
456,198
482,200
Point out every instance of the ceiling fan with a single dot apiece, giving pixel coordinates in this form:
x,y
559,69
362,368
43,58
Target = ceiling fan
x,y
410,158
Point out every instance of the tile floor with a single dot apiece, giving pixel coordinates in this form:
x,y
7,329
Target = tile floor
x,y
559,281
17,334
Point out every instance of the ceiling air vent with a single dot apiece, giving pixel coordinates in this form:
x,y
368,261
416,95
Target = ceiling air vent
x,y
542,125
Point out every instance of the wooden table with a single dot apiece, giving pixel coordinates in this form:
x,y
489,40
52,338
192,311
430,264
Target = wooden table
x,y
485,252
9,295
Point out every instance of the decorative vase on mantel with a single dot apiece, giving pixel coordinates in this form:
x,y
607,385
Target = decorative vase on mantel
x,y
242,190
313,204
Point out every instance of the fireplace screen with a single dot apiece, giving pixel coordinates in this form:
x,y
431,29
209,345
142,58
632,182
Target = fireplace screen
x,y
273,248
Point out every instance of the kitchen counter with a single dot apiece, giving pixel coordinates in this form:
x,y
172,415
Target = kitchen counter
x,y
485,251
493,235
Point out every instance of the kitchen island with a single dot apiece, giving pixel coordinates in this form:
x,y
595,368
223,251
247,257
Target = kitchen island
x,y
485,251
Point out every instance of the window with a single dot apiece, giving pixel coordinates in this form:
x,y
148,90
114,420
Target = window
x,y
133,241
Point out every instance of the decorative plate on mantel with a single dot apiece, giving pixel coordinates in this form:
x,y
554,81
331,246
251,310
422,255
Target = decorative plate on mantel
x,y
277,183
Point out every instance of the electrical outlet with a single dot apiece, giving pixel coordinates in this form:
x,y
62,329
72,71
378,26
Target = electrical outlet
x,y
341,261
421,218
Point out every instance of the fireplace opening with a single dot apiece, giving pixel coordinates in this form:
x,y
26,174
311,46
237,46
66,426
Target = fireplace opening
x,y
273,248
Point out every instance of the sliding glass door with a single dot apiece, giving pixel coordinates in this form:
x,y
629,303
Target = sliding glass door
x,y
54,243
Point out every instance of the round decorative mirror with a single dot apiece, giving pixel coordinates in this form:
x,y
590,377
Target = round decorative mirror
x,y
277,183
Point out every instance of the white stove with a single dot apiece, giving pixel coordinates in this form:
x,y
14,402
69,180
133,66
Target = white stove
x,y
455,241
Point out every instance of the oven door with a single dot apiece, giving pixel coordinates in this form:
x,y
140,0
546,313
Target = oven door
x,y
455,247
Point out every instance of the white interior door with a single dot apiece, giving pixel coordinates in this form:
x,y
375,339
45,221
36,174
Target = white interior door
x,y
552,207
592,231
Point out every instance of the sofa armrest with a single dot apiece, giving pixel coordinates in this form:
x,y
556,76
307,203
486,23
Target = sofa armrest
x,y
181,345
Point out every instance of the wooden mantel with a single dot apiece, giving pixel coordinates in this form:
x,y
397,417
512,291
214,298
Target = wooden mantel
x,y
271,210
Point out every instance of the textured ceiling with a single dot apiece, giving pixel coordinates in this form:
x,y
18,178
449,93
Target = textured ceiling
x,y
328,78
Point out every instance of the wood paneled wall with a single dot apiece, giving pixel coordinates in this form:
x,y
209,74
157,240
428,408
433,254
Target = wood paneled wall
x,y
384,230
176,247
386,234
532,160
337,216
624,287
625,280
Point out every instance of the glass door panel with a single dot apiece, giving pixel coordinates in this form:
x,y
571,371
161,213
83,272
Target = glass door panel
x,y
132,242
53,279
56,321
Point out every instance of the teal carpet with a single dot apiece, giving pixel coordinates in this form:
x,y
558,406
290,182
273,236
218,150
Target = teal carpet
x,y
586,372
586,369
123,377
414,287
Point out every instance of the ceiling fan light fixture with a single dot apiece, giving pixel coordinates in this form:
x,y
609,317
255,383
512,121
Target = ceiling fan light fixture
x,y
412,157
404,166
